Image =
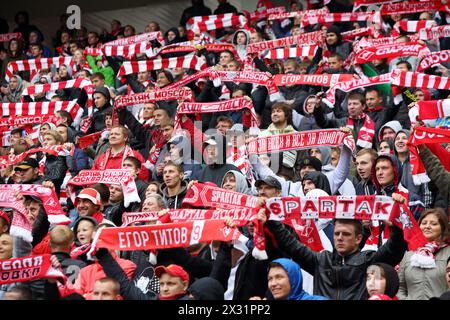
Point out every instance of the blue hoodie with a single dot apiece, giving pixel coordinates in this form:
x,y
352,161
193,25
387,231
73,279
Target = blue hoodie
x,y
296,280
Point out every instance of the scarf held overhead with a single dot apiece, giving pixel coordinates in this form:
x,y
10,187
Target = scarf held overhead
x,y
20,225
123,177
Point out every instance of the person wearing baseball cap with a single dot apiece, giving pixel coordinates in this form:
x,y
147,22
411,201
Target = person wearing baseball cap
x,y
28,171
88,203
268,187
174,281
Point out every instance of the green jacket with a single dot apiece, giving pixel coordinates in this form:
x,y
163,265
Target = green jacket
x,y
107,71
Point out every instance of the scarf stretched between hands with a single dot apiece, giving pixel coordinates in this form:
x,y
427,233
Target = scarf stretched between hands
x,y
299,140
433,58
152,96
321,18
284,53
411,7
6,37
50,201
293,14
255,77
123,177
310,38
214,107
12,109
263,14
435,33
188,62
163,236
212,22
58,150
323,80
20,121
391,51
349,207
29,268
36,64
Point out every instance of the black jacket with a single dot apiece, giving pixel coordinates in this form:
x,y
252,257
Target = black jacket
x,y
55,169
71,267
174,202
337,277
98,119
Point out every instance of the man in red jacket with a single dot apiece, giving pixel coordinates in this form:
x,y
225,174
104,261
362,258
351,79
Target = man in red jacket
x,y
119,150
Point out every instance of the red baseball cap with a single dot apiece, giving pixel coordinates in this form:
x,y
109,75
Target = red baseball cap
x,y
174,270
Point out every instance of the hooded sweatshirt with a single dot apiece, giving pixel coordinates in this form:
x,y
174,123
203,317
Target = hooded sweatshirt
x,y
296,281
174,202
241,48
241,182
15,95
319,179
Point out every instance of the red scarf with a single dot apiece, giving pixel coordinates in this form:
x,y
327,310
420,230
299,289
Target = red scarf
x,y
433,58
127,152
20,225
50,201
293,14
410,7
322,18
6,37
298,140
123,177
390,51
40,108
284,53
163,236
262,14
188,62
425,256
325,80
302,39
206,23
152,96
431,137
367,131
26,120
58,150
435,33
36,64
29,268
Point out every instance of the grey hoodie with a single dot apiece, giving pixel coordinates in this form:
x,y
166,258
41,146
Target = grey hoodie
x,y
241,182
15,95
240,48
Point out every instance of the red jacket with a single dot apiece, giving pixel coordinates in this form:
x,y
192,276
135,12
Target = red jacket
x,y
115,162
84,284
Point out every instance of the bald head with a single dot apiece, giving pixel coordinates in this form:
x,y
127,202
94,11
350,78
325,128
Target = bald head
x,y
61,239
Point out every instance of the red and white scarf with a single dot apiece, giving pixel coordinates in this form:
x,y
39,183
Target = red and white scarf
x,y
435,33
293,14
310,38
349,207
324,80
391,51
36,64
262,14
366,3
156,95
6,37
28,269
20,225
425,256
39,88
373,241
419,80
163,236
416,26
349,35
89,139
208,196
348,86
127,152
410,7
123,177
27,120
50,201
217,21
213,107
11,109
296,141
432,59
241,216
188,62
149,36
205,73
284,53
367,131
424,135
321,18
59,150
255,77
128,51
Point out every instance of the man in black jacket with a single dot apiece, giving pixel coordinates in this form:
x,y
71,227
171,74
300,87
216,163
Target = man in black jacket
x,y
341,274
61,242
